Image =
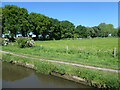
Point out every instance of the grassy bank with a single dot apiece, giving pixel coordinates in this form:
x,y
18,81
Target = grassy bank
x,y
102,77
95,52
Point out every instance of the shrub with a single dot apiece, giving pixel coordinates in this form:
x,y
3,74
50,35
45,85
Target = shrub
x,y
5,41
25,42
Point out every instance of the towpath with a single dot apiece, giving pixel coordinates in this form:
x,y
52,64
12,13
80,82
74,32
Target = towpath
x,y
73,64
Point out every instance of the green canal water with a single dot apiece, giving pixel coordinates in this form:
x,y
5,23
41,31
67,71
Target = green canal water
x,y
14,76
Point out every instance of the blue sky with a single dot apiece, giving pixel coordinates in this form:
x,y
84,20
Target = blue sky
x,y
79,13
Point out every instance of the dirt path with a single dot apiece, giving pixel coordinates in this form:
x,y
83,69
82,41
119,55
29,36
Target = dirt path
x,y
79,65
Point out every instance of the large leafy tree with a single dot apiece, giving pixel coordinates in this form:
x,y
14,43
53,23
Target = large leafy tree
x,y
39,24
54,29
114,32
45,27
67,29
9,20
90,31
106,29
23,23
96,31
35,23
118,33
14,20
81,31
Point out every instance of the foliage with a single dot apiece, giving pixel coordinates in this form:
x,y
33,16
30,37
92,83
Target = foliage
x,y
54,29
38,24
5,41
16,20
81,31
67,29
106,29
119,32
25,42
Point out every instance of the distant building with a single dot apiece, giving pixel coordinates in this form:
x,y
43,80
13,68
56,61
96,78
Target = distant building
x,y
19,35
109,35
31,34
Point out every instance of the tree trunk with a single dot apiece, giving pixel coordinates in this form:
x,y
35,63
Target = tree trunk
x,y
36,36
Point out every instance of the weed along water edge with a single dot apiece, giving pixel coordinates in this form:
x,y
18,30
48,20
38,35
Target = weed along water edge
x,y
15,76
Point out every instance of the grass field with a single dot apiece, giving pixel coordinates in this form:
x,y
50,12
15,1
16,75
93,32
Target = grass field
x,y
105,44
95,52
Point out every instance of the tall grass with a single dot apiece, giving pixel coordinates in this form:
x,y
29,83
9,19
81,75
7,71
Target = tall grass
x,y
96,52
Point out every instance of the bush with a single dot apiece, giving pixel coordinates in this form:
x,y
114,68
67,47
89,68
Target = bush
x,y
5,41
25,42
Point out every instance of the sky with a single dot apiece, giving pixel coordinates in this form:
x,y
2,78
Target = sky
x,y
79,13
60,0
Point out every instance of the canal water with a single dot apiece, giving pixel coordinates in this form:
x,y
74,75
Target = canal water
x,y
15,76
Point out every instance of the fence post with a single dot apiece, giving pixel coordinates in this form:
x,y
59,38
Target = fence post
x,y
40,45
66,49
114,52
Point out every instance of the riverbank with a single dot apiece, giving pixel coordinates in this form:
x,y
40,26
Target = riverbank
x,y
15,76
95,78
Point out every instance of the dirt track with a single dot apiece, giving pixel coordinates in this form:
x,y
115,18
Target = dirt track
x,y
79,65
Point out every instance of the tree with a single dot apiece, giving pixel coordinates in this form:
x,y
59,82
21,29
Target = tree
x,y
39,24
90,32
114,32
23,23
118,32
9,19
106,29
34,20
67,29
45,27
97,31
14,20
81,31
54,29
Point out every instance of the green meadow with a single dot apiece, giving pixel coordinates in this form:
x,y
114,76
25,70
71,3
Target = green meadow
x,y
95,52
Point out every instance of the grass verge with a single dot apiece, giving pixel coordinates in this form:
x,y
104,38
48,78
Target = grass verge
x,y
110,79
91,57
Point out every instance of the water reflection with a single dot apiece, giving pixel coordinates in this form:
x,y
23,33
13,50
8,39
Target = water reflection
x,y
59,81
20,77
12,72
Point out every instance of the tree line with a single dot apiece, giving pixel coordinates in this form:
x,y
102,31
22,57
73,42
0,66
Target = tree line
x,y
17,20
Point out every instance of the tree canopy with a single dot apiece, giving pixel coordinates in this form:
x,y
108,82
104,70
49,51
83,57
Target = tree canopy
x,y
17,20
